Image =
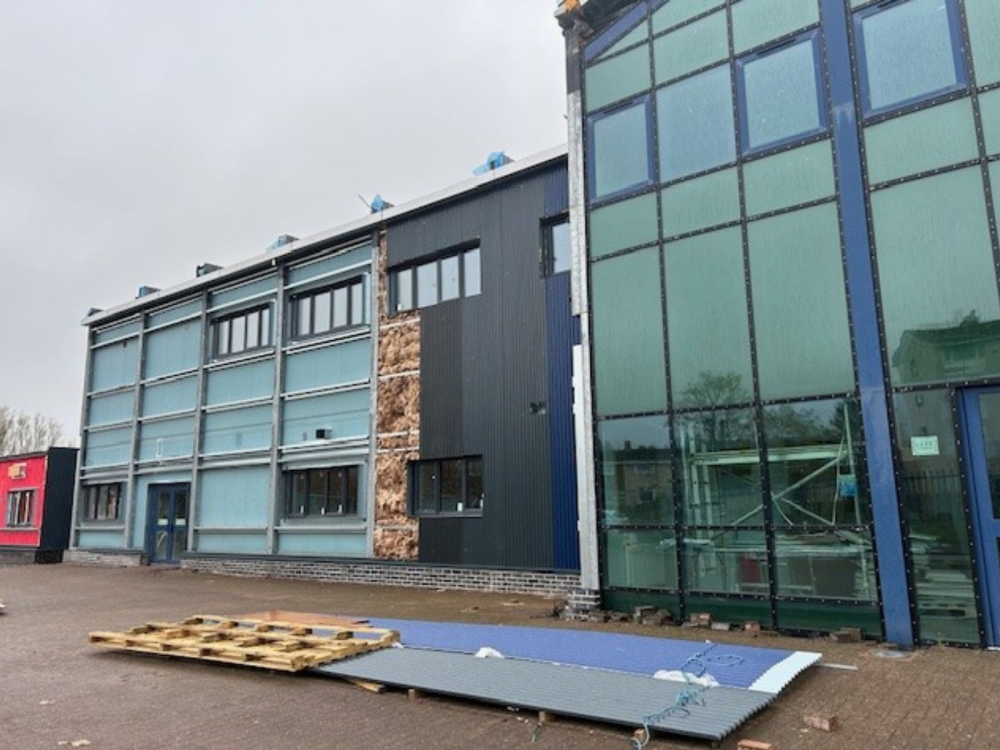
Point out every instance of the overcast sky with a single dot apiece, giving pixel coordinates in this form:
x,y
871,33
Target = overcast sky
x,y
139,138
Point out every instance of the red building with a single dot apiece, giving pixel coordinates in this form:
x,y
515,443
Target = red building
x,y
36,505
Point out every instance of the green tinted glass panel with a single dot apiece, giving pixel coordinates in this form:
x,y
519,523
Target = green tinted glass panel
x,y
621,225
984,27
926,140
696,130
939,291
816,459
635,469
621,152
640,559
707,320
782,95
729,562
930,486
691,47
702,202
678,11
720,466
826,565
801,175
989,107
638,34
617,78
758,21
908,52
628,334
800,309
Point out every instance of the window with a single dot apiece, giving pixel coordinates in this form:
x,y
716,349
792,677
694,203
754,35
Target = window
x,y
781,94
102,502
620,150
242,332
446,278
322,492
453,485
20,508
557,253
696,124
909,51
329,309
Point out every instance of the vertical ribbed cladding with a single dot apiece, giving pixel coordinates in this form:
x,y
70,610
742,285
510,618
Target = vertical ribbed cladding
x,y
58,513
483,363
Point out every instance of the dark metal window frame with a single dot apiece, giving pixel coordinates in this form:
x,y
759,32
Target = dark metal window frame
x,y
96,508
645,100
548,245
460,252
955,32
414,482
354,286
222,330
21,509
811,36
340,474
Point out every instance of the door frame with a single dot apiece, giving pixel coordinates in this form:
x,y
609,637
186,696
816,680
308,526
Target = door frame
x,y
985,526
152,511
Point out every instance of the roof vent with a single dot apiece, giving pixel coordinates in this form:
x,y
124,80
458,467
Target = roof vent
x,y
379,204
206,268
145,291
94,311
494,161
285,239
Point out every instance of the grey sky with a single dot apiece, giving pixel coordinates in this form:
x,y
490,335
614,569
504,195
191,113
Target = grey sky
x,y
139,138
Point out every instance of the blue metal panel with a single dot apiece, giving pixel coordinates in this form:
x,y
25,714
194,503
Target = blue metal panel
x,y
111,409
896,608
616,31
330,265
170,438
234,498
108,447
327,543
339,364
345,415
233,544
560,330
117,332
237,430
99,540
240,292
557,191
113,366
987,526
179,312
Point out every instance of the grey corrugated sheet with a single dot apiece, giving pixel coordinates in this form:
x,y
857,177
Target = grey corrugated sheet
x,y
613,697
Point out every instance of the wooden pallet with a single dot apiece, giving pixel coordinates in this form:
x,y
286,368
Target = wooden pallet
x,y
285,646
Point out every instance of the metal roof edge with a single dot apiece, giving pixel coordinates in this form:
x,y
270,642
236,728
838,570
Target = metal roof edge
x,y
345,231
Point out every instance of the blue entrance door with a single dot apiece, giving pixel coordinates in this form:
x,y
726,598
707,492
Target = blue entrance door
x,y
981,409
166,530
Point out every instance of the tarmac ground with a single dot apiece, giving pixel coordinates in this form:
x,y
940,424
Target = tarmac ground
x,y
58,691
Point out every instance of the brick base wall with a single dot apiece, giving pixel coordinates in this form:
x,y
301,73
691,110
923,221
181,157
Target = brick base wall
x,y
29,556
382,574
109,559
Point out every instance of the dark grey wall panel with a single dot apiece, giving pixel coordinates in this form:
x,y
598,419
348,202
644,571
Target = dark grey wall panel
x,y
483,364
58,512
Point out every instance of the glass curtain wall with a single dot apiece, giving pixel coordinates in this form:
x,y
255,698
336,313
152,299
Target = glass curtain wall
x,y
730,447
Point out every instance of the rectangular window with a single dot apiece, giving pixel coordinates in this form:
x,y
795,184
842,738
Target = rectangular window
x,y
322,492
781,94
320,311
696,127
20,508
447,486
102,502
241,332
908,51
449,277
557,254
620,150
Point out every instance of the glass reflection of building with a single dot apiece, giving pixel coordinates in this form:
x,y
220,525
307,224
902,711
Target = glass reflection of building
x,y
788,205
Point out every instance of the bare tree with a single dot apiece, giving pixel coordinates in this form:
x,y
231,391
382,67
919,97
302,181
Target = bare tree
x,y
21,432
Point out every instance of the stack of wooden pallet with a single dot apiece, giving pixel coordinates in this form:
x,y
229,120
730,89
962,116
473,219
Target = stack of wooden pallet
x,y
284,646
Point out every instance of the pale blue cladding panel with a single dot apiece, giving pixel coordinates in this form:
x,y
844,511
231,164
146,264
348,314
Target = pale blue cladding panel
x,y
114,365
227,543
173,314
234,498
335,365
101,540
170,438
175,396
345,415
252,289
327,543
173,349
330,265
237,430
243,383
117,407
108,447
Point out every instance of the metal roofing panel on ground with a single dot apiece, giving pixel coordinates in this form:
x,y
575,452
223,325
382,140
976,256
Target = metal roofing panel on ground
x,y
735,666
612,697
